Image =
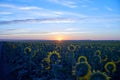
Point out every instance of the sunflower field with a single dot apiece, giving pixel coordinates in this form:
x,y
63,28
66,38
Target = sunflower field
x,y
60,60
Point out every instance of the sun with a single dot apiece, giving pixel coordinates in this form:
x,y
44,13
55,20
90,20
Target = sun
x,y
59,38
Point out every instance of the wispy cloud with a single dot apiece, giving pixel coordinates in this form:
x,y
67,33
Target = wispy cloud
x,y
7,5
84,6
67,3
67,32
5,13
73,3
14,31
29,8
24,12
108,8
20,7
42,33
49,20
64,20
71,29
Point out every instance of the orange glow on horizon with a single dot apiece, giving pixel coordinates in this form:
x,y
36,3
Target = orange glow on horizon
x,y
59,38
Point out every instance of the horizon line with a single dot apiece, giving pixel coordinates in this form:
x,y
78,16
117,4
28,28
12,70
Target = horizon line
x,y
58,40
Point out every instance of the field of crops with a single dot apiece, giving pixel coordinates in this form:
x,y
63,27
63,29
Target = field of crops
x,y
60,60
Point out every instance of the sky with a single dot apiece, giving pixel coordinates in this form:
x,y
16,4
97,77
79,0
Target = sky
x,y
60,19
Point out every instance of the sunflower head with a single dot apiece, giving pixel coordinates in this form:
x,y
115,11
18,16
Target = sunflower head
x,y
45,64
99,76
52,58
35,53
82,59
71,48
27,50
98,52
110,67
83,71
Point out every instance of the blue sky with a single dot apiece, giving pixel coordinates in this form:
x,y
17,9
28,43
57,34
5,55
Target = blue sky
x,y
54,19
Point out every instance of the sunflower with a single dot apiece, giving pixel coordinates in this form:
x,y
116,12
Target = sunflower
x,y
82,69
110,67
99,76
45,65
53,57
27,50
82,59
35,53
98,52
71,48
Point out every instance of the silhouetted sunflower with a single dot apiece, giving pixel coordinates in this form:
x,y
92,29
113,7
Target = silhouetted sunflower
x,y
71,48
52,58
99,76
27,50
82,69
110,67
98,52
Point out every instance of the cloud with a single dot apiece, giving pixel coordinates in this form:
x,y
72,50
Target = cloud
x,y
108,8
67,3
84,6
8,5
47,20
24,12
5,13
104,19
22,32
29,8
67,32
85,1
73,3
14,31
91,19
71,29
20,7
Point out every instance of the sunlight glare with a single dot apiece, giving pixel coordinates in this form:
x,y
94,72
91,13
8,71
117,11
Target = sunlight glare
x,y
59,38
